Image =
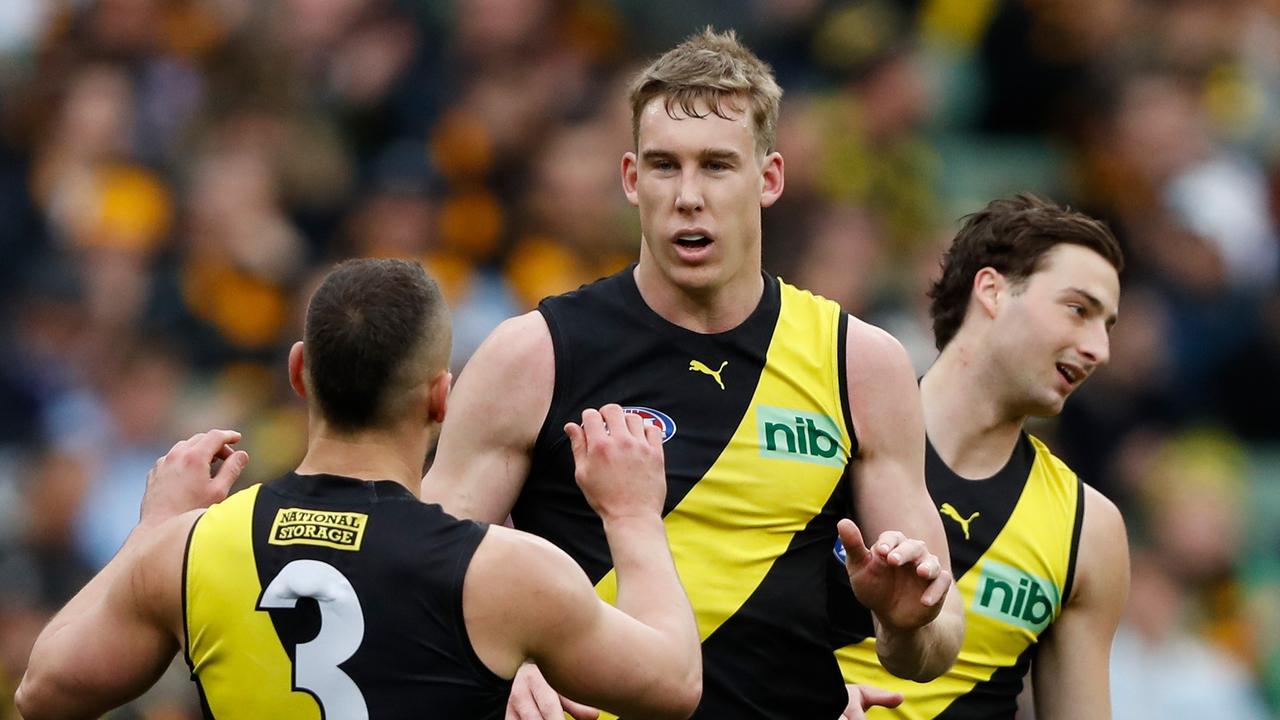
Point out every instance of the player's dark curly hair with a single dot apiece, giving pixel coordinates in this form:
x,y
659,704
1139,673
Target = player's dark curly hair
x,y
374,329
1012,236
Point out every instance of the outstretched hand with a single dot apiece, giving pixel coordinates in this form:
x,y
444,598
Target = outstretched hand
x,y
195,473
897,578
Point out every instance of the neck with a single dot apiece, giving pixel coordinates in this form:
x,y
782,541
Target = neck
x,y
966,421
367,455
713,310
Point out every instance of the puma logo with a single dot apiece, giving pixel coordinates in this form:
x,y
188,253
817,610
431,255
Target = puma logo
x,y
699,366
949,510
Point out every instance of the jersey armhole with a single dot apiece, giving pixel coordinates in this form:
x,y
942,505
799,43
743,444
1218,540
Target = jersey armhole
x,y
186,626
1075,542
842,372
563,364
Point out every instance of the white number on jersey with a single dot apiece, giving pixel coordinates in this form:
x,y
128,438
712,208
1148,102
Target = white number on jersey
x,y
315,666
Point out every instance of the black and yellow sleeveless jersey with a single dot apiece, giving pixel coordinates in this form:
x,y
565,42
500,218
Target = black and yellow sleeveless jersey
x,y
757,440
1013,540
317,596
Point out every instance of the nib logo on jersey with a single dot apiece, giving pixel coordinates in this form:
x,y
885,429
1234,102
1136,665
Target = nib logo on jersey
x,y
787,434
1015,597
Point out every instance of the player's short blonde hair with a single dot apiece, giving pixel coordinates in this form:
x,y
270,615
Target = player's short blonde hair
x,y
717,69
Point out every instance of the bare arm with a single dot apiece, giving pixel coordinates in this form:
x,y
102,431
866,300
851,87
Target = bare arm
x,y
641,658
113,640
1072,668
494,416
119,633
919,615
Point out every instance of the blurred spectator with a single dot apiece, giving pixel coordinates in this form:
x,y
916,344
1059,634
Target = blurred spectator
x,y
1160,671
175,173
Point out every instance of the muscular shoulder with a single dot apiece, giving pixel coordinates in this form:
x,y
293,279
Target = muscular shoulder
x,y
522,342
871,348
522,593
1102,565
525,561
155,579
513,370
883,394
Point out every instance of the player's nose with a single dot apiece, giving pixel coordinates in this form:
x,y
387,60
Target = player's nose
x,y
1095,346
689,194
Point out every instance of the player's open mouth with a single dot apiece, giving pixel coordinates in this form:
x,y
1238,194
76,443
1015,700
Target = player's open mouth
x,y
693,242
1070,373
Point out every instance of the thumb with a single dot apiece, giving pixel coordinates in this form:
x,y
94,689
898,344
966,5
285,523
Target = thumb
x,y
230,472
856,554
577,441
874,696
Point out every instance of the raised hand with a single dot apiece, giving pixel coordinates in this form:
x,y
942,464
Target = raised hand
x,y
897,578
618,463
185,478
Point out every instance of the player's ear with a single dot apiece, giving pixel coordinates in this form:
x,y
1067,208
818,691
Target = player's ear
x,y
297,370
630,176
990,288
773,177
438,395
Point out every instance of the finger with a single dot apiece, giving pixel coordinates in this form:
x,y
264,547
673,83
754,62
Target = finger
x,y
613,417
876,697
635,424
593,426
578,711
210,443
907,552
937,590
928,568
577,442
653,436
853,711
521,706
856,554
548,702
888,540
230,471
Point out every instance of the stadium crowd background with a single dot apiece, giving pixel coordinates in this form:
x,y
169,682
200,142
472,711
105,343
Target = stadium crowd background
x,y
175,174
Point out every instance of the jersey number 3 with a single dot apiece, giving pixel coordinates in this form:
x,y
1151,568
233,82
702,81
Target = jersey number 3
x,y
315,665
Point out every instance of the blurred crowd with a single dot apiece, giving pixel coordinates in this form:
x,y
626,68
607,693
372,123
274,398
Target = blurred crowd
x,y
176,174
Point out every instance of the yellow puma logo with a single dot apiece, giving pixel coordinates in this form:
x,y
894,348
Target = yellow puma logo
x,y
701,367
950,511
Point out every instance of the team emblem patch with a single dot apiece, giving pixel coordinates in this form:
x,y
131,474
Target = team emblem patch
x,y
658,419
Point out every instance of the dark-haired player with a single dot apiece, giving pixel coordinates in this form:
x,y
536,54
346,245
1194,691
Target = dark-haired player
x,y
333,592
1021,314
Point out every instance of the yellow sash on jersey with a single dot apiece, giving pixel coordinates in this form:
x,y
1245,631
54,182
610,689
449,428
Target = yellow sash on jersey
x,y
235,660
777,472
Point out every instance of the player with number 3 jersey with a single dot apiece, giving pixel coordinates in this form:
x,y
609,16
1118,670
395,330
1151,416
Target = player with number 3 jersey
x,y
334,592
